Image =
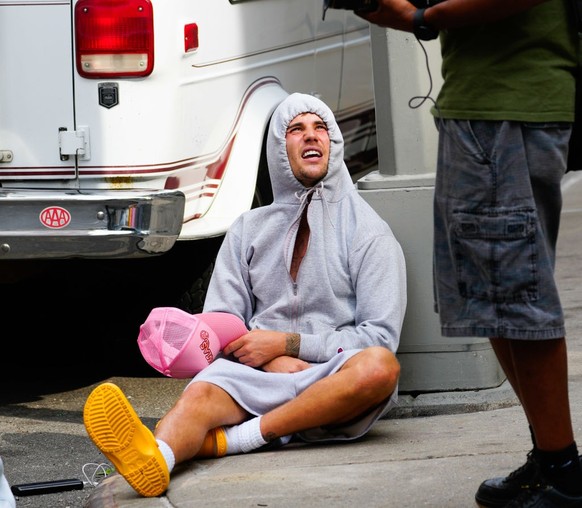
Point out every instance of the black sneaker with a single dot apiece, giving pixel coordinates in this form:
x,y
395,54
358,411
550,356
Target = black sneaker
x,y
499,491
545,497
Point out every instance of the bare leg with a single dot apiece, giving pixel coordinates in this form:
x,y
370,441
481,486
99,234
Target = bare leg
x,y
364,381
502,348
538,372
202,407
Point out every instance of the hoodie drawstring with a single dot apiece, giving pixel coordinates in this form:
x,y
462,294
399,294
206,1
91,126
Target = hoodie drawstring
x,y
305,196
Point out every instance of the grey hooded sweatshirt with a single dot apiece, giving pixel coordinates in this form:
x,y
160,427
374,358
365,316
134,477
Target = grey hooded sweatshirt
x,y
350,290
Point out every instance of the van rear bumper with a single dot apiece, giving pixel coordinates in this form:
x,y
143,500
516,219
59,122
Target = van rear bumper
x,y
49,224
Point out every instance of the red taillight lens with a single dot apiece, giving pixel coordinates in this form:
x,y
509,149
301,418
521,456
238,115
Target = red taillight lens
x,y
190,37
114,38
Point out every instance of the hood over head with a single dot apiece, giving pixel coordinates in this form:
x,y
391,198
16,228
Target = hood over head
x,y
286,188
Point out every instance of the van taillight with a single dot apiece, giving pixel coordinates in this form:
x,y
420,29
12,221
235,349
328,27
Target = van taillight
x,y
114,38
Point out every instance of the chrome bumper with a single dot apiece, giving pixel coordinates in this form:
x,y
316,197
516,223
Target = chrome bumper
x,y
49,224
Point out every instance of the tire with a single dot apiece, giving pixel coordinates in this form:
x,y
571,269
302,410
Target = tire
x,y
197,269
263,190
192,300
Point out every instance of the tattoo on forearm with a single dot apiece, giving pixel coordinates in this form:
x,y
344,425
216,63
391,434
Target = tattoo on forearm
x,y
271,436
292,342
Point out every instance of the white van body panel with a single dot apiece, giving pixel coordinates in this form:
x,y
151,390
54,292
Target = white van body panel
x,y
177,155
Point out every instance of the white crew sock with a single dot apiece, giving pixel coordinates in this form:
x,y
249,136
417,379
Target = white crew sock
x,y
6,497
244,437
167,453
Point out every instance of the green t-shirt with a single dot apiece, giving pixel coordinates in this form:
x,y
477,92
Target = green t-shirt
x,y
521,69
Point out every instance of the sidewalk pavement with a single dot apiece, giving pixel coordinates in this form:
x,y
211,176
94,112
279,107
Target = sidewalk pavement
x,y
433,450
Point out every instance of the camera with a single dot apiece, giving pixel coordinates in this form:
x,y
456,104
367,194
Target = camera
x,y
351,5
423,4
368,5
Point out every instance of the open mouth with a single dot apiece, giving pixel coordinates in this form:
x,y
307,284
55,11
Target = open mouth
x,y
308,154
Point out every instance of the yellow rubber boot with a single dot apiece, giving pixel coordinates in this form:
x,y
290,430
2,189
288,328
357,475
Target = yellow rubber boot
x,y
214,444
115,428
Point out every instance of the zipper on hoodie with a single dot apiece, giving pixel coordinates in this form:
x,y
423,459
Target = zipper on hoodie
x,y
295,307
301,243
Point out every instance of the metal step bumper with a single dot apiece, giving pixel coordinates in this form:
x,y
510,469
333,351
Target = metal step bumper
x,y
49,224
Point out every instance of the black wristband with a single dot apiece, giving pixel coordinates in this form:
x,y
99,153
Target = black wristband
x,y
423,31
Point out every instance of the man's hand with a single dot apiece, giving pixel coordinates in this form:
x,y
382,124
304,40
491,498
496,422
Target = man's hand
x,y
286,365
396,14
261,346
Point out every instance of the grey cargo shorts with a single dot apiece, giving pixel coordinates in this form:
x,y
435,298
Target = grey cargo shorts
x,y
496,218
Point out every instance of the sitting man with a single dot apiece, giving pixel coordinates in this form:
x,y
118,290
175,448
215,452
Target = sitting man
x,y
319,279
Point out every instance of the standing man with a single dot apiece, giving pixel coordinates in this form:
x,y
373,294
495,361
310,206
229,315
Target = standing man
x,y
504,116
6,497
319,280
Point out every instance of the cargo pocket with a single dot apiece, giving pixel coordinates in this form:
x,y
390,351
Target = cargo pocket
x,y
496,256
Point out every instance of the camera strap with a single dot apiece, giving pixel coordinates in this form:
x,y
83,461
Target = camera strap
x,y
577,8
575,147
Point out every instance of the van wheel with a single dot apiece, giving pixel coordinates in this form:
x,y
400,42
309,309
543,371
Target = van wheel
x,y
201,265
263,190
192,300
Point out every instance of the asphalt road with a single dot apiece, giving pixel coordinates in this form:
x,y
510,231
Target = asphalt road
x,y
67,326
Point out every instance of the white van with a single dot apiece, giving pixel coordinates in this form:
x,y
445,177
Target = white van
x,y
129,125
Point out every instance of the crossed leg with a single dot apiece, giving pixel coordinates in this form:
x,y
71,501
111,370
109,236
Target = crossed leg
x,y
364,381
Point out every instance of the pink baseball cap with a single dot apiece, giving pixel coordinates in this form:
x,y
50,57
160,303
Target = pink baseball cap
x,y
180,345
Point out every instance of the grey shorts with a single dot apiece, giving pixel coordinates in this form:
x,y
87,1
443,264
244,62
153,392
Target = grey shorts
x,y
497,214
259,392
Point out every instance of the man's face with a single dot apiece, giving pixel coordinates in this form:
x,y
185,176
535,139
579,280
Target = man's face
x,y
308,148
